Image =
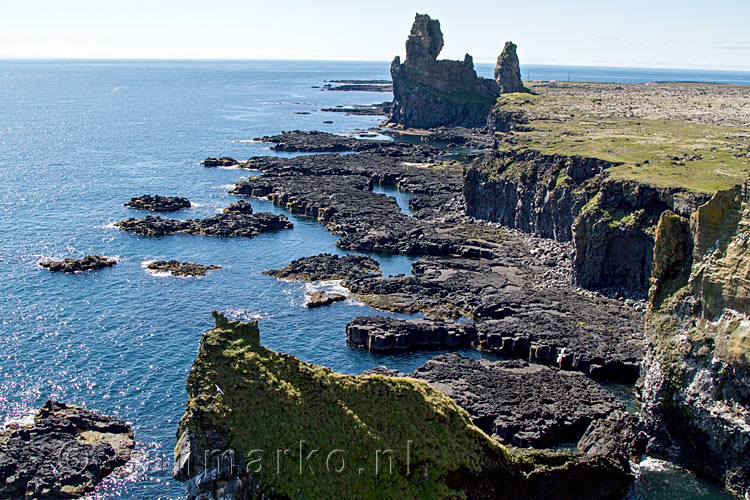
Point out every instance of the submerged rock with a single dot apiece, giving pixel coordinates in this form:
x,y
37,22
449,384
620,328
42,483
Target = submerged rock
x,y
320,299
65,453
70,265
230,224
696,389
176,268
264,425
326,267
159,203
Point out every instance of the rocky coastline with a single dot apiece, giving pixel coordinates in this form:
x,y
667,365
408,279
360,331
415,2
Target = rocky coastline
x,y
65,453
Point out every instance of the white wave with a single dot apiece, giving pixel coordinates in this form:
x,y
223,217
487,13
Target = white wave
x,y
151,272
245,314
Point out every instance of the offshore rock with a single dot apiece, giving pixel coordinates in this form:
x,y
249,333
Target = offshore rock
x,y
245,402
225,161
508,70
65,453
430,93
326,267
696,389
241,207
159,203
522,404
231,224
70,265
321,299
182,269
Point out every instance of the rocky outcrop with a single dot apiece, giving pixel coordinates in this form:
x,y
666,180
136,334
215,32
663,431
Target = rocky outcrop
x,y
570,198
508,70
158,203
326,267
696,387
382,334
230,224
181,269
430,93
522,404
65,453
347,436
224,161
299,141
515,316
241,207
70,265
320,299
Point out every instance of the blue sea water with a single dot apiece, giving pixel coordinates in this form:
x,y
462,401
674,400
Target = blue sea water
x,y
77,140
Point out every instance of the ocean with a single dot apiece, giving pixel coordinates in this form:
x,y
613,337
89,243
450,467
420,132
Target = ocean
x,y
80,138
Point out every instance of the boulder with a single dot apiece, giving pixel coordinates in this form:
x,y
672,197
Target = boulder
x,y
320,299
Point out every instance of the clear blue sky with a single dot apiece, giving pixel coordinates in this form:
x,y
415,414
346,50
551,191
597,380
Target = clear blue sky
x,y
657,33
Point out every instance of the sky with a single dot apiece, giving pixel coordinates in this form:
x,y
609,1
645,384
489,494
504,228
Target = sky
x,y
637,33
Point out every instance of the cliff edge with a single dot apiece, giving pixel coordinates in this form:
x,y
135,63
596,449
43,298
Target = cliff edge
x,y
697,372
260,424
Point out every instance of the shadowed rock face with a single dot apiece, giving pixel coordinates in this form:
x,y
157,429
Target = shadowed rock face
x,y
431,93
697,380
65,453
508,70
246,401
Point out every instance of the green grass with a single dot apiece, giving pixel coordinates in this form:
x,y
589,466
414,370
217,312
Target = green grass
x,y
694,156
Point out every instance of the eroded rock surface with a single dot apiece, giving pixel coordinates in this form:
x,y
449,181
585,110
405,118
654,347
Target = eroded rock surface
x,y
430,93
697,380
158,203
326,267
521,404
225,161
65,453
71,265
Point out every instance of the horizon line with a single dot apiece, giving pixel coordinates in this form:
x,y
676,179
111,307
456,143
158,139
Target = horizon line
x,y
723,68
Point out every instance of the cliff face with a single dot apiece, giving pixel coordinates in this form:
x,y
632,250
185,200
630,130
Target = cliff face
x,y
697,383
264,425
569,198
431,93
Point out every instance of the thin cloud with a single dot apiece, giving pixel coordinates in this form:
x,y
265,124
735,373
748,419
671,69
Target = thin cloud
x,y
616,38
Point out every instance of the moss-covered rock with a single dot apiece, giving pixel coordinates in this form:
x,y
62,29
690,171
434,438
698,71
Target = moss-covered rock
x,y
259,424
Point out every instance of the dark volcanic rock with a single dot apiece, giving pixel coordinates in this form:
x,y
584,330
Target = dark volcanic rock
x,y
64,454
572,330
362,110
518,403
69,265
226,224
326,267
430,93
381,334
176,268
320,299
299,141
508,70
241,207
360,87
159,203
220,162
